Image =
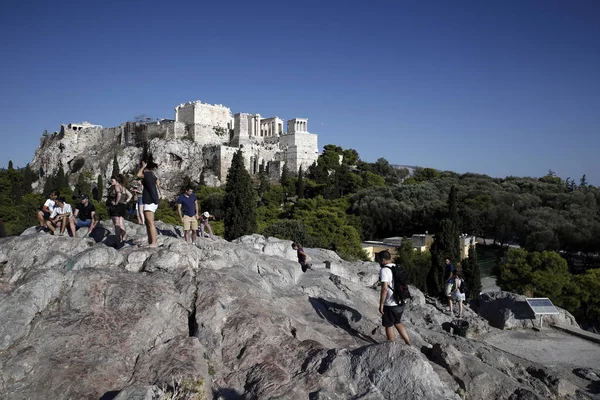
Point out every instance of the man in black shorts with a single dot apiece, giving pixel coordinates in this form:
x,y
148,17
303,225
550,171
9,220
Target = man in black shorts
x,y
391,312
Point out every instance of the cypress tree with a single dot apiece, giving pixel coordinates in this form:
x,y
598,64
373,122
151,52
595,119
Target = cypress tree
x,y
472,274
453,208
201,180
240,205
445,245
300,184
115,169
15,184
285,175
82,186
27,179
100,186
61,180
49,185
263,183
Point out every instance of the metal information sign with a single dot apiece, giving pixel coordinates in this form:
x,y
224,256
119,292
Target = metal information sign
x,y
541,306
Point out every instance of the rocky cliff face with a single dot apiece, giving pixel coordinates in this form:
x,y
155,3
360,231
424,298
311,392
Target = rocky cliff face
x,y
81,320
92,150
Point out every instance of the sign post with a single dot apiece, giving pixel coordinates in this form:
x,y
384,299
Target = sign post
x,y
541,306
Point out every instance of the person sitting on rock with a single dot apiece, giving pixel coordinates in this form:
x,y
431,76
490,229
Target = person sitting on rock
x,y
45,211
301,256
457,294
85,213
391,311
61,217
204,223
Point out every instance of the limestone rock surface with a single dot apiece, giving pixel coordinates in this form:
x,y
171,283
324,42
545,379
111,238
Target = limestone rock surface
x,y
231,320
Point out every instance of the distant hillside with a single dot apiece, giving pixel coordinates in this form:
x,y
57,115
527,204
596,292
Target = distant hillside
x,y
410,168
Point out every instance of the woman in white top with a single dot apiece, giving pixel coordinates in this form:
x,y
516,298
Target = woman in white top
x,y
457,295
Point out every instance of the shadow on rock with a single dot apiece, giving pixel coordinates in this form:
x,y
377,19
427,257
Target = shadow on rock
x,y
176,233
99,233
227,394
109,395
340,315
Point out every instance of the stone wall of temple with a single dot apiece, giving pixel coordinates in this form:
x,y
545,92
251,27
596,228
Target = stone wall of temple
x,y
299,149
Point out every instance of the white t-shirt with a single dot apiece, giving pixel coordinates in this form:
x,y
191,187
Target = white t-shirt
x,y
58,210
385,275
50,204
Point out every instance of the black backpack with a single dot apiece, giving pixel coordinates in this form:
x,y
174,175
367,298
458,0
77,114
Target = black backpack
x,y
400,290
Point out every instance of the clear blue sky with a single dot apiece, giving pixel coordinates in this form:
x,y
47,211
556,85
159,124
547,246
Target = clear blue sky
x,y
503,88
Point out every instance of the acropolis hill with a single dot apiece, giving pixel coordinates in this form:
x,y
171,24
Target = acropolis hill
x,y
202,137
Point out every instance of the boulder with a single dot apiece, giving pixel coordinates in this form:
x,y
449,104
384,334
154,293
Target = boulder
x,y
505,310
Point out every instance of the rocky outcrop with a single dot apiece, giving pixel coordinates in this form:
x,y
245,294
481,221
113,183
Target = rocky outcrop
x,y
505,310
79,319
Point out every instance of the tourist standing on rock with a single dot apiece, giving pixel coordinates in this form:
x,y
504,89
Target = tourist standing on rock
x,y
458,294
301,256
137,190
85,213
391,311
188,202
150,198
449,281
117,197
47,208
61,217
205,218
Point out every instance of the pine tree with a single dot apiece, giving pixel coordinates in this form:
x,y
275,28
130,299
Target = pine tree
x,y
240,204
115,168
300,184
10,165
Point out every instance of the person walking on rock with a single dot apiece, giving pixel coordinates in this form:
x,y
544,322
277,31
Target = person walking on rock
x,y
301,256
150,198
391,311
449,282
188,202
205,223
458,294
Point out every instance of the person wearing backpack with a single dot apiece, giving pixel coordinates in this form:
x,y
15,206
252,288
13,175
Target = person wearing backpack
x,y
391,306
458,294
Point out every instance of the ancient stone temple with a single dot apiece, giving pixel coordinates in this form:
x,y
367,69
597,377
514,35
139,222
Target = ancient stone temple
x,y
265,144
